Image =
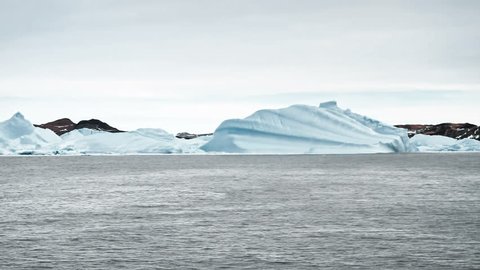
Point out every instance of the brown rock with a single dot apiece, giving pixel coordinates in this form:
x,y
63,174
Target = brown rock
x,y
96,125
452,130
59,126
189,136
64,125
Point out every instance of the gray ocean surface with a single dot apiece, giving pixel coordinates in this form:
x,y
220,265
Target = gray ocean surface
x,y
388,211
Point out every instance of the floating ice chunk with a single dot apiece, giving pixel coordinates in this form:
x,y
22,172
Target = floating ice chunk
x,y
434,143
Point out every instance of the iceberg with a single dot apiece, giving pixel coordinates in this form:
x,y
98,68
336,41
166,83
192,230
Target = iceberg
x,y
18,136
437,143
298,129
302,129
140,141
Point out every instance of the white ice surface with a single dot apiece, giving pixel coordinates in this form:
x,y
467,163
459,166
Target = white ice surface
x,y
301,129
435,143
140,141
294,130
19,136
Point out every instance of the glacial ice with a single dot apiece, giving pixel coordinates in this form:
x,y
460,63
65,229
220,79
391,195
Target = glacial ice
x,y
19,136
301,129
298,129
140,141
436,143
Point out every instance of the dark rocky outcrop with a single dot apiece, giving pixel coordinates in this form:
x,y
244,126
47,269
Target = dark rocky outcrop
x,y
60,126
452,130
64,125
189,136
96,124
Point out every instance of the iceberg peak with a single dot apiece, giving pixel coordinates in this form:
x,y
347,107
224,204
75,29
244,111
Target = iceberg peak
x,y
329,104
18,135
18,115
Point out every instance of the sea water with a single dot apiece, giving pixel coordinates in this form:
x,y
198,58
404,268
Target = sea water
x,y
389,211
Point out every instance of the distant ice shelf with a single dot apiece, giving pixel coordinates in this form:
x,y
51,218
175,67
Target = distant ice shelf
x,y
141,141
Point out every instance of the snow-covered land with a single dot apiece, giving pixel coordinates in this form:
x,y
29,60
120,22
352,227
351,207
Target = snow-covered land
x,y
297,129
302,129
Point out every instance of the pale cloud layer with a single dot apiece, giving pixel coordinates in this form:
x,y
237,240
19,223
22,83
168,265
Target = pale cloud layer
x,y
186,65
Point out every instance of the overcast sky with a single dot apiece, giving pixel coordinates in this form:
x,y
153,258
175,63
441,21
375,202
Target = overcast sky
x,y
187,65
